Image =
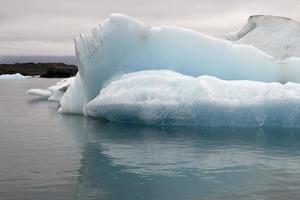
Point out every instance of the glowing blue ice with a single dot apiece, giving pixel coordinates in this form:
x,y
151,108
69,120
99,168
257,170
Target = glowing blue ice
x,y
123,45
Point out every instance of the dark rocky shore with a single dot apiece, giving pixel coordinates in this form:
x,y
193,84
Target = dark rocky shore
x,y
45,70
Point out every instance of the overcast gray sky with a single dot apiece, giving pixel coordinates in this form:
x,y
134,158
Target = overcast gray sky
x,y
47,27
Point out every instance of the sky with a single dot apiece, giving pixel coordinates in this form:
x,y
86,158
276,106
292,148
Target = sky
x,y
48,27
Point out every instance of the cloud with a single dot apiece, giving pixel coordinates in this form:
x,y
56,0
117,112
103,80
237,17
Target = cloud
x,y
31,26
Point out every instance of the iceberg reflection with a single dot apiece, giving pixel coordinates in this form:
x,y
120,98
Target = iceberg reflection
x,y
137,162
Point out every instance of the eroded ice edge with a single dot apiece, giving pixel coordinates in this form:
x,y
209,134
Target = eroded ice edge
x,y
132,73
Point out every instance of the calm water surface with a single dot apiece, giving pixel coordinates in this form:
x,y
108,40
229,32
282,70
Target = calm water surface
x,y
45,155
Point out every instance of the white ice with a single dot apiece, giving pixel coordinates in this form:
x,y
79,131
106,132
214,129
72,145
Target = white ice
x,y
122,44
277,36
13,76
168,98
39,93
59,89
54,92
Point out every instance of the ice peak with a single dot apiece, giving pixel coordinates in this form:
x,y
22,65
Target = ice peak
x,y
275,35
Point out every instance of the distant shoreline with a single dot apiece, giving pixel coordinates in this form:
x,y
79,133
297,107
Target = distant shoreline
x,y
44,70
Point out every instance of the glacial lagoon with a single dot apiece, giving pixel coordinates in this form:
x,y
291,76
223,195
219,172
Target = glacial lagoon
x,y
46,155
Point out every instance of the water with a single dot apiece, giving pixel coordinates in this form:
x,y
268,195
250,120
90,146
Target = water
x,y
45,155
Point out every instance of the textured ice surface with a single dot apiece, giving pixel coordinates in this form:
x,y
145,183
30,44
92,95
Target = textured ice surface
x,y
73,101
58,90
122,44
277,36
169,98
13,76
54,92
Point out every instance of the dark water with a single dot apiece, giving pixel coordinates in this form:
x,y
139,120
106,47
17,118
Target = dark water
x,y
45,155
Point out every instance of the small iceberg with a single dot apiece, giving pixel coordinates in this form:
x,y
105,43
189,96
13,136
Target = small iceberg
x,y
54,92
39,93
13,76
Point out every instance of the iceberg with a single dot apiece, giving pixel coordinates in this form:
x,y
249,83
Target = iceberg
x,y
54,92
13,76
122,44
168,98
170,76
39,93
277,36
